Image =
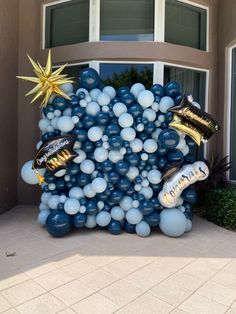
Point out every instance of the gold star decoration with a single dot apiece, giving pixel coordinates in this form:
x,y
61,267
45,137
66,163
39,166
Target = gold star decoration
x,y
47,82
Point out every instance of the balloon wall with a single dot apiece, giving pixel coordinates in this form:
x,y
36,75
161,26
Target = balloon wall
x,y
130,170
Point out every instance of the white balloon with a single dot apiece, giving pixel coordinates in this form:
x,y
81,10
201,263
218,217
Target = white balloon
x,y
67,112
119,108
57,113
50,128
82,90
128,134
100,154
126,120
54,122
109,90
88,99
161,117
28,174
150,146
188,174
136,145
91,221
62,198
53,201
94,93
81,156
52,186
117,213
150,114
166,103
115,156
60,173
83,103
75,119
154,176
146,98
180,201
147,192
89,191
43,206
103,99
39,144
134,216
156,134
76,192
67,88
155,106
185,150
45,197
43,124
140,127
132,173
126,203
50,115
181,144
93,108
136,89
65,124
103,218
95,133
72,206
87,166
99,185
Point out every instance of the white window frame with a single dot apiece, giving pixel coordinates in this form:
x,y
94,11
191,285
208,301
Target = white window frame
x,y
228,104
159,20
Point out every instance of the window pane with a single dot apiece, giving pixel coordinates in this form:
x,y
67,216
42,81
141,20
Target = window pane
x,y
120,74
233,117
73,71
127,20
185,24
191,83
67,23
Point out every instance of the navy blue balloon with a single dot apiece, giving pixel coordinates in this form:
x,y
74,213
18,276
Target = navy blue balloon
x,y
60,184
49,177
88,146
146,207
59,103
73,169
129,228
168,139
153,219
74,100
114,227
83,179
116,196
157,90
152,159
124,184
107,166
58,223
190,142
188,210
89,78
113,177
122,90
189,195
78,111
60,206
91,207
46,136
88,121
162,163
175,155
133,159
69,184
112,129
155,202
115,142
79,220
168,116
81,95
102,118
135,110
172,89
127,98
190,159
122,167
81,134
138,180
149,127
115,100
178,99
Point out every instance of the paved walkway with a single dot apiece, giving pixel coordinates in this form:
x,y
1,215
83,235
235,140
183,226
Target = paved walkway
x,y
95,272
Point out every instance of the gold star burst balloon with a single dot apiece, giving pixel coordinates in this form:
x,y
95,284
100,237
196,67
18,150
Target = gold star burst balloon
x,y
47,82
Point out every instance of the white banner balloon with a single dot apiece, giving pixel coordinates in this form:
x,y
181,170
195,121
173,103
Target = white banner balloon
x,y
186,176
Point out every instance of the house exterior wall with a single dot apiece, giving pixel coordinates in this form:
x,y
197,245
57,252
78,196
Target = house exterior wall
x,y
8,103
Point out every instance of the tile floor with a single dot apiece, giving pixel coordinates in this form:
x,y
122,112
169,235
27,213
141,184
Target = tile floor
x,y
95,272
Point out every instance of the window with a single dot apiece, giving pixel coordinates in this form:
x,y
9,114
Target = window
x,y
185,24
67,23
127,20
126,74
233,117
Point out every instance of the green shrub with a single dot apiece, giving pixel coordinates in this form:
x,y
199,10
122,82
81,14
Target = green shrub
x,y
220,206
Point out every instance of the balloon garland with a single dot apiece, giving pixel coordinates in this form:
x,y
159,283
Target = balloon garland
x,y
116,159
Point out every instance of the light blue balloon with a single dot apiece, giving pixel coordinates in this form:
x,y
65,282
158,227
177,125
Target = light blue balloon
x,y
117,213
172,222
134,216
91,221
42,216
143,229
103,218
188,225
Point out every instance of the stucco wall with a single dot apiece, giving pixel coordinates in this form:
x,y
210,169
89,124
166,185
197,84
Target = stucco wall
x,y
8,103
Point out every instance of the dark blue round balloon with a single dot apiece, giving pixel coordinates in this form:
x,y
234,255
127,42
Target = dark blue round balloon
x,y
190,159
83,179
174,155
81,95
81,134
107,166
162,163
149,128
46,136
79,220
157,90
124,184
115,142
102,118
74,101
115,100
188,210
58,223
172,89
168,116
133,159
178,99
129,228
88,121
152,159
60,184
73,169
49,177
60,206
114,227
190,142
135,110
122,90
116,196
138,180
112,129
113,177
146,207
153,219
168,139
78,111
127,98
122,167
189,195
155,202
91,207
89,78
69,184
88,146
59,103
